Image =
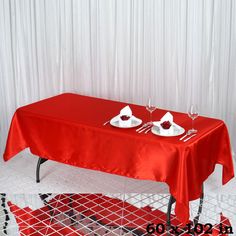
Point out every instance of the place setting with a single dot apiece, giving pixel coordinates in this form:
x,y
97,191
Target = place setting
x,y
165,127
125,119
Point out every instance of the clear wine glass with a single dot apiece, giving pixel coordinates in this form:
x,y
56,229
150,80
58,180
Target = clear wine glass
x,y
193,114
151,108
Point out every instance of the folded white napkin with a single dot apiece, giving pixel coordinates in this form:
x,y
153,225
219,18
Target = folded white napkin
x,y
126,111
167,117
174,129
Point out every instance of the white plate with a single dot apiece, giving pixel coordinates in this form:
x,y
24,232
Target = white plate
x,y
134,122
177,130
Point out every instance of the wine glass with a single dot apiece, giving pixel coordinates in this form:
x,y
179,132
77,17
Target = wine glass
x,y
193,114
151,108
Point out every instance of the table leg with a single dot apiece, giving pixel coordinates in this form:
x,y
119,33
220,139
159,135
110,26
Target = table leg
x,y
196,218
40,161
168,215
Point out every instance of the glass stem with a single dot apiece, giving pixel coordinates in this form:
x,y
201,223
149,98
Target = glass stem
x,y
192,124
150,117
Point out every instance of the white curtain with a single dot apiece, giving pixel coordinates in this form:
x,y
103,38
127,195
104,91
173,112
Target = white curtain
x,y
180,51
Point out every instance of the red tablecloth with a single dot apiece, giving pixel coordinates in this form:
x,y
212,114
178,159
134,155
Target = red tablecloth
x,y
68,128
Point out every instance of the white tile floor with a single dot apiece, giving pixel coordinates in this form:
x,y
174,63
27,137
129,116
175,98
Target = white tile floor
x,y
17,176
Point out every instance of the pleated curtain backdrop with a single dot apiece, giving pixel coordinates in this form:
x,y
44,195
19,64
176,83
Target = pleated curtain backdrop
x,y
179,51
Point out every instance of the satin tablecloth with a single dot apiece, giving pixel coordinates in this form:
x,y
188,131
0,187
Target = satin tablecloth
x,y
68,128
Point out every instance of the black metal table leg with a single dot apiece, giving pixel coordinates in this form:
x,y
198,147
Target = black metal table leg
x,y
196,219
40,161
172,201
168,215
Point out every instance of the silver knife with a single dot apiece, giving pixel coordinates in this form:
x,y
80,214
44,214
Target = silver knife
x,y
148,130
189,137
106,122
146,127
188,133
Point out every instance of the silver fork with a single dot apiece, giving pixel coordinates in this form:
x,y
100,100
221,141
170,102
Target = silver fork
x,y
188,133
189,137
149,129
143,126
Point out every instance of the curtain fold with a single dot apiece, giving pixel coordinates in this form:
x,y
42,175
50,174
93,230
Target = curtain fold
x,y
179,51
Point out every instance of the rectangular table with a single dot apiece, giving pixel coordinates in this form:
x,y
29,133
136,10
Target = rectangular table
x,y
68,128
